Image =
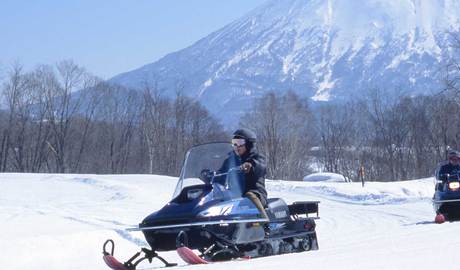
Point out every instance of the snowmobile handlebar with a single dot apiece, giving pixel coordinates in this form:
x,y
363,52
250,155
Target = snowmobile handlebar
x,y
208,175
220,178
449,177
233,169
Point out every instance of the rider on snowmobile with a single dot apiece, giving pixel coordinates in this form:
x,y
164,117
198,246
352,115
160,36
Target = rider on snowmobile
x,y
452,167
252,164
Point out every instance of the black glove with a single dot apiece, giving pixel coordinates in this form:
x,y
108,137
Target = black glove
x,y
443,177
206,175
246,167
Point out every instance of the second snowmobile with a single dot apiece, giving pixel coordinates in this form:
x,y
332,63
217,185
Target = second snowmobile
x,y
446,198
209,214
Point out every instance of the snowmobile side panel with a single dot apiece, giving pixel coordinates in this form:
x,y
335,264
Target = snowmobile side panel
x,y
247,233
194,224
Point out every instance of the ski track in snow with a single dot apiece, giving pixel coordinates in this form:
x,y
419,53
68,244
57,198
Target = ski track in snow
x,y
61,221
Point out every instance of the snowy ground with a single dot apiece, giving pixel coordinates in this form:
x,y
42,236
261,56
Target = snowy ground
x,y
60,222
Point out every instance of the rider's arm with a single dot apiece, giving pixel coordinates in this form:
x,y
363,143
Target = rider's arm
x,y
442,173
259,164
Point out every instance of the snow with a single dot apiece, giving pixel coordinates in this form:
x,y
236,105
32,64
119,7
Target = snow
x,y
59,221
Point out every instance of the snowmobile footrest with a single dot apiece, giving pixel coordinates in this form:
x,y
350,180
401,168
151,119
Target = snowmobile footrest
x,y
132,263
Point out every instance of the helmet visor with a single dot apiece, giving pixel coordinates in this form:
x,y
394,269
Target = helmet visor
x,y
238,142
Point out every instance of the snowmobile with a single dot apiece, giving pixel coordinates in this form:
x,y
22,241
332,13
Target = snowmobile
x,y
446,198
209,214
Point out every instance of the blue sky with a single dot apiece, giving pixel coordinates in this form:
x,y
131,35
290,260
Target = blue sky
x,y
108,37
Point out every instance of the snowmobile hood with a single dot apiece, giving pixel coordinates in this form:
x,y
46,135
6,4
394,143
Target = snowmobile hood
x,y
175,213
447,195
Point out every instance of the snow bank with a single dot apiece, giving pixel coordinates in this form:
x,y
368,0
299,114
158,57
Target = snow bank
x,y
371,193
325,176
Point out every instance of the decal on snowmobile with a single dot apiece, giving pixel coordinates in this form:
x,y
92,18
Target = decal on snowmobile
x,y
281,214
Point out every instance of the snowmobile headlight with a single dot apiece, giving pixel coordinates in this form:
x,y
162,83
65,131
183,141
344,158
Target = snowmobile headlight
x,y
454,186
217,210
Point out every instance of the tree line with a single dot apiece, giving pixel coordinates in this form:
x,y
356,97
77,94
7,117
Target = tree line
x,y
49,126
382,135
46,125
386,137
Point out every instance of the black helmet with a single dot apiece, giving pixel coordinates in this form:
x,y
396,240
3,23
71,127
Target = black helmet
x,y
453,153
248,135
245,134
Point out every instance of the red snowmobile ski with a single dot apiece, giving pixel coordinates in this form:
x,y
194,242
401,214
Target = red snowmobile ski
x,y
132,263
189,256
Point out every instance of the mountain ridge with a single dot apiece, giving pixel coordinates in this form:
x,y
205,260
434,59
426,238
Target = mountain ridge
x,y
320,49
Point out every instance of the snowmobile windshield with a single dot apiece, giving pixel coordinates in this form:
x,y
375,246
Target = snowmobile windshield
x,y
213,164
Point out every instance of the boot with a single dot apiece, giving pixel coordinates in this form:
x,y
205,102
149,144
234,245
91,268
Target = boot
x,y
253,197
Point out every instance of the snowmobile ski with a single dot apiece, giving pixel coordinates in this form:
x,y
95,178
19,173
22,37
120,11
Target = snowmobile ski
x,y
113,263
189,256
132,263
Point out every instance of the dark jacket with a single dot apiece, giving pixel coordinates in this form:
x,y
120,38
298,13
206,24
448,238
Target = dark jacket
x,y
446,169
255,179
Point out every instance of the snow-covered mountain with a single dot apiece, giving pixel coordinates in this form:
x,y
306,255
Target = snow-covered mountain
x,y
323,49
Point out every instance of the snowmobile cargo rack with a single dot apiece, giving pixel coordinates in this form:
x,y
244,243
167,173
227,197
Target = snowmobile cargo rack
x,y
304,208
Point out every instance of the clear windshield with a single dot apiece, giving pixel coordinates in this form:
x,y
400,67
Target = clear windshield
x,y
212,164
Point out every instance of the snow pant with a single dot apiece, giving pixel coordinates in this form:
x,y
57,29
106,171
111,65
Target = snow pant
x,y
255,199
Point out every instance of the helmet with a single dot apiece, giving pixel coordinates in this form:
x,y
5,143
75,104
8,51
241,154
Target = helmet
x,y
453,153
246,134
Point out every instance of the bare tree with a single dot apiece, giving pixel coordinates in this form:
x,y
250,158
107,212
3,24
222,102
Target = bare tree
x,y
14,91
155,111
337,126
64,107
284,127
389,124
118,113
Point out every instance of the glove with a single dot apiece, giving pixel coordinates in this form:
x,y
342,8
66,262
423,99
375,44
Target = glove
x,y
246,167
206,175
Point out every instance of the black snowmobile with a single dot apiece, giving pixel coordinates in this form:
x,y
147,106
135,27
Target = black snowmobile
x,y
209,214
446,198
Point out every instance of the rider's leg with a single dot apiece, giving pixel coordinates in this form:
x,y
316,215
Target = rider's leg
x,y
255,199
